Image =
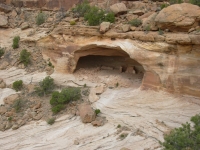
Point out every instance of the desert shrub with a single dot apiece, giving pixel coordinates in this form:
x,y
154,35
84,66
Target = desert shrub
x,y
118,126
147,28
51,121
97,111
175,2
160,32
10,118
185,137
1,52
40,19
81,9
45,86
135,22
17,85
195,2
58,99
24,57
93,14
16,40
110,17
72,22
17,105
164,6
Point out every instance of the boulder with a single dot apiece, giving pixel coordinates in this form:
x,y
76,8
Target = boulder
x,y
2,84
126,28
178,17
4,21
3,109
10,99
99,121
5,8
104,27
87,114
118,8
24,26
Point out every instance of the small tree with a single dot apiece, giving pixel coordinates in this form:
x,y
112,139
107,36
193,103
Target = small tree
x,y
45,86
40,19
1,52
17,85
81,9
58,99
24,57
97,111
185,137
16,40
51,121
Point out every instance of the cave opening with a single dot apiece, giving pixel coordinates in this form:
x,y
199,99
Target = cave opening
x,y
110,65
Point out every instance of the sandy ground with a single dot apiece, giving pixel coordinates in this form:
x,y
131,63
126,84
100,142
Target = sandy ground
x,y
147,114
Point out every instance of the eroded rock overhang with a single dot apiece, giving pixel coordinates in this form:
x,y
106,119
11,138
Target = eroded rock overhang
x,y
169,67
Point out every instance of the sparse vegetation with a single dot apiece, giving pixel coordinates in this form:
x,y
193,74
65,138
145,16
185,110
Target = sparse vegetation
x,y
147,28
18,105
17,85
160,32
40,19
72,23
123,136
175,2
16,40
24,57
117,84
135,22
164,6
195,2
1,52
10,118
67,95
97,111
118,126
51,121
45,86
93,14
185,137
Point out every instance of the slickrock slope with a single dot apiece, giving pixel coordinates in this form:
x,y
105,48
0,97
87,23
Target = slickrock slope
x,y
146,119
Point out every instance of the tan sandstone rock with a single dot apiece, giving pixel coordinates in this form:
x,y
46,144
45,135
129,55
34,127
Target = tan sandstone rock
x,y
87,114
178,17
10,99
118,8
104,27
4,21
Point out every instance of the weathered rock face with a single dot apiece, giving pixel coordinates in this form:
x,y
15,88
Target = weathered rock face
x,y
43,4
4,21
178,17
170,63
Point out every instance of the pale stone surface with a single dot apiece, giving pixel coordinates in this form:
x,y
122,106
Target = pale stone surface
x,y
138,110
4,21
104,27
87,114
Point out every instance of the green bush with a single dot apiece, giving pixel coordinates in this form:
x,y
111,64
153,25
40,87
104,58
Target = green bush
x,y
58,99
81,9
147,28
135,22
18,105
40,19
185,137
51,121
17,85
72,22
164,6
1,52
195,2
45,86
93,14
16,40
24,57
110,17
97,111
175,2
